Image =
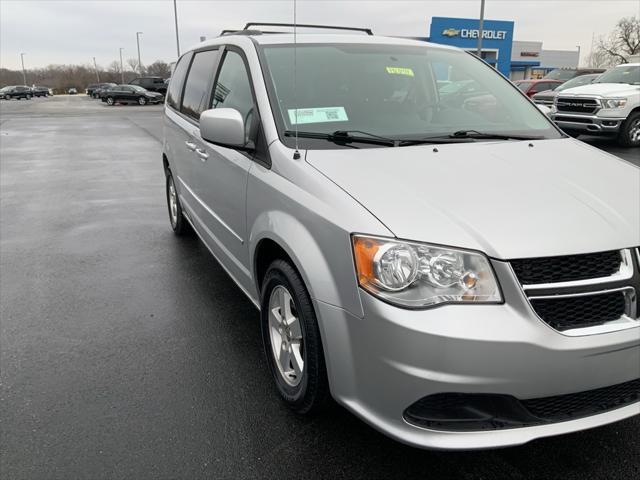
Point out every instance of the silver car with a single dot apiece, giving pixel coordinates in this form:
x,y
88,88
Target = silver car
x,y
453,269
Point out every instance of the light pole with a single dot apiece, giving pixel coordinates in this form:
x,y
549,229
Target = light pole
x,y
578,46
121,67
95,67
24,74
480,29
175,16
139,61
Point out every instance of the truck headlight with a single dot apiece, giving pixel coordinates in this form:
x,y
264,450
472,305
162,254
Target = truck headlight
x,y
419,275
614,102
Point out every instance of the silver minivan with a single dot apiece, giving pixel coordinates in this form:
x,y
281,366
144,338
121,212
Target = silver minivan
x,y
443,262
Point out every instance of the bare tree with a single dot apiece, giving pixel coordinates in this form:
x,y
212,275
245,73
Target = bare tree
x,y
133,64
159,69
621,43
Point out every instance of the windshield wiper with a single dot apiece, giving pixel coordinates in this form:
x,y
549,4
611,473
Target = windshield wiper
x,y
346,136
470,136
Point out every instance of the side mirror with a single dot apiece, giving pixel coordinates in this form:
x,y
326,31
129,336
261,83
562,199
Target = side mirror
x,y
544,109
223,126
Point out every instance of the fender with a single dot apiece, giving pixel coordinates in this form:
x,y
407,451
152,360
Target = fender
x,y
310,261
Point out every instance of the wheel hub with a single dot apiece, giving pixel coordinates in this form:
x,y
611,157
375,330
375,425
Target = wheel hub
x,y
285,333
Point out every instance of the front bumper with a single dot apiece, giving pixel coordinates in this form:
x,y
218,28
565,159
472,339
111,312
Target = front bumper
x,y
591,124
381,364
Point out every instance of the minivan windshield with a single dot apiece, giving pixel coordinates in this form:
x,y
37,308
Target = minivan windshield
x,y
395,92
623,74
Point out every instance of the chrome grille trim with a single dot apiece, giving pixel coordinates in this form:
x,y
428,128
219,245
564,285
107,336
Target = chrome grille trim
x,y
624,273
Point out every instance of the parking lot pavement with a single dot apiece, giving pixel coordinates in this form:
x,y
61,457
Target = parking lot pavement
x,y
128,353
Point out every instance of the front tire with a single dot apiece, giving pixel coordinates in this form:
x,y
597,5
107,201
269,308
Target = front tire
x,y
7,97
142,101
630,131
291,339
176,217
110,101
28,97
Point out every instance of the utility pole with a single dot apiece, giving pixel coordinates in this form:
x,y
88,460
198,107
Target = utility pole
x,y
593,43
95,67
121,67
175,16
480,29
578,65
24,74
139,61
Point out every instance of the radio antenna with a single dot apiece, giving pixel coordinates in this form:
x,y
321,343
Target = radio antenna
x,y
296,154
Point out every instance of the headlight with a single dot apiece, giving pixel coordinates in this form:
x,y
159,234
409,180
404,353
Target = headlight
x,y
419,275
614,102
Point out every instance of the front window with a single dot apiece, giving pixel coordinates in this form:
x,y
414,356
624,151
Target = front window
x,y
577,82
398,92
524,86
623,74
138,88
560,74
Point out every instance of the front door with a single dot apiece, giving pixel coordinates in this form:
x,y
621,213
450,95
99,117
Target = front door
x,y
221,181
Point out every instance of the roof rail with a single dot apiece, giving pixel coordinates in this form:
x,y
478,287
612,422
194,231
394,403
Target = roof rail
x,y
329,27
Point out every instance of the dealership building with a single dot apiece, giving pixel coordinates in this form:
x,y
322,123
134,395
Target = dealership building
x,y
514,59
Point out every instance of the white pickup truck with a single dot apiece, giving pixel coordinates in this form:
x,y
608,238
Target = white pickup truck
x,y
609,106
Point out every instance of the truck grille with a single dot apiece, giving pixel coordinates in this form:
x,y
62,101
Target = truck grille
x,y
577,105
573,292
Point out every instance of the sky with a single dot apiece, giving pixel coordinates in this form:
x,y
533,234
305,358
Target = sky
x,y
75,31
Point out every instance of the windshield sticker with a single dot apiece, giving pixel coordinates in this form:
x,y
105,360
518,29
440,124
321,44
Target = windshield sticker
x,y
317,115
407,72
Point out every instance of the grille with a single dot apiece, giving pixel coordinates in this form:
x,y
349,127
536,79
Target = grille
x,y
577,105
531,271
565,313
564,407
562,118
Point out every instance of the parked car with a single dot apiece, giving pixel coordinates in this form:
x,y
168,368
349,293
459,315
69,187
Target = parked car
x,y
547,97
91,88
38,91
72,91
458,279
565,74
101,88
153,84
130,94
531,87
609,106
16,91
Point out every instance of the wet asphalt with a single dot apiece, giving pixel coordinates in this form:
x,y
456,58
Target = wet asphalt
x,y
126,352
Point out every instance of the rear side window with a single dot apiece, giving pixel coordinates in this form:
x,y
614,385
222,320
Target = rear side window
x,y
177,80
196,89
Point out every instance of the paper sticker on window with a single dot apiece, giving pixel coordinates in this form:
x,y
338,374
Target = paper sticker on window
x,y
408,72
317,115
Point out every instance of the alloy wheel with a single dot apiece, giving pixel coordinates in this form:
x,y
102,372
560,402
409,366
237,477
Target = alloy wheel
x,y
173,204
634,131
285,332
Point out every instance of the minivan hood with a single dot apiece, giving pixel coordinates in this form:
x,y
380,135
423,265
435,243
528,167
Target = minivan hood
x,y
513,199
604,89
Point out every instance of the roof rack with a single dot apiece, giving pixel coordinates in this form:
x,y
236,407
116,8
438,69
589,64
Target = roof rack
x,y
248,26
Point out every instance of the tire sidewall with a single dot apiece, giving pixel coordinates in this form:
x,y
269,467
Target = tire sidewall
x,y
142,101
311,392
180,227
110,101
625,138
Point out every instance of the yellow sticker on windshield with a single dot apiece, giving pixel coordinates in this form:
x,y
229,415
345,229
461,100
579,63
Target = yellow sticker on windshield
x,y
400,71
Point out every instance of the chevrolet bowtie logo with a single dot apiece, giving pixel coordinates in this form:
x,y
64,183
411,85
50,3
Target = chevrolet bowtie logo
x,y
451,32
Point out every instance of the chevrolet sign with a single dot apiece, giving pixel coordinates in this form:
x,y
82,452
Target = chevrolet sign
x,y
450,32
474,33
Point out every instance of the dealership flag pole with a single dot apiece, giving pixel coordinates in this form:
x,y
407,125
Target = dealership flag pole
x,y
480,29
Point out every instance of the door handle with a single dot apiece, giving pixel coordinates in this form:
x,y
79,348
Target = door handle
x,y
202,154
190,145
